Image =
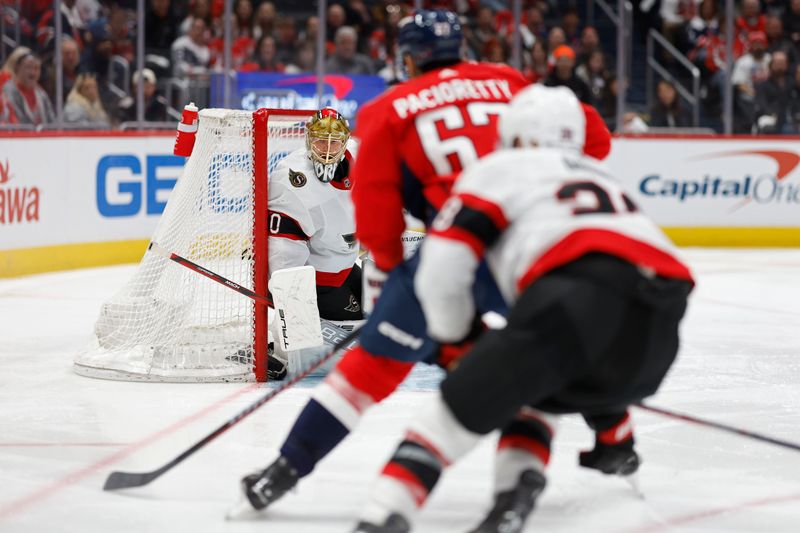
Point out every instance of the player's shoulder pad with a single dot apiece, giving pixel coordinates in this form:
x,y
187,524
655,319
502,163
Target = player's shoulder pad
x,y
293,178
512,167
496,70
506,70
373,113
289,169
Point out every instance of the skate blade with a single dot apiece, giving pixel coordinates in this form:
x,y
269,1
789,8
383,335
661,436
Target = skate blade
x,y
242,510
633,481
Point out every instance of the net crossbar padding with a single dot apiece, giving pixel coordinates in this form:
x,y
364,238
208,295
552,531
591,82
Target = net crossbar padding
x,y
169,323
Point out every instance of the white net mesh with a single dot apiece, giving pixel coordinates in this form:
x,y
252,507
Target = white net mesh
x,y
169,323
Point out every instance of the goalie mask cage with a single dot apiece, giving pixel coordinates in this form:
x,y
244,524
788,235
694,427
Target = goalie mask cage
x,y
169,323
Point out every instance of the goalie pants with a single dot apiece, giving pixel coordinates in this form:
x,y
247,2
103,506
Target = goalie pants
x,y
342,302
591,337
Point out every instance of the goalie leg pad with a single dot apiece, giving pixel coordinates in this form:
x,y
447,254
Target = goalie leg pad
x,y
296,318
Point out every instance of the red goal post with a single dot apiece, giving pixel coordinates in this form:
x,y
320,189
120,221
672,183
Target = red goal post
x,y
170,324
261,120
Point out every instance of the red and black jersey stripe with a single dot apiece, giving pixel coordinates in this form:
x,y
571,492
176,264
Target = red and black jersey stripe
x,y
478,223
282,225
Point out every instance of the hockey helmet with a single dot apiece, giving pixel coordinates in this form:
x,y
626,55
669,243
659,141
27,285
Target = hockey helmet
x,y
544,116
327,134
430,36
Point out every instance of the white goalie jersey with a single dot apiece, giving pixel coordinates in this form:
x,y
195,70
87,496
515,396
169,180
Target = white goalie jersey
x,y
311,222
529,211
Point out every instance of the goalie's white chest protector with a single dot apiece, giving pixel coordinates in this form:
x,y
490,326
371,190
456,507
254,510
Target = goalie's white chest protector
x,y
323,211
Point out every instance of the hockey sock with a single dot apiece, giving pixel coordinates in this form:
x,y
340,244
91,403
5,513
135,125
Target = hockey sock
x,y
434,440
612,429
359,380
315,433
405,482
613,451
524,444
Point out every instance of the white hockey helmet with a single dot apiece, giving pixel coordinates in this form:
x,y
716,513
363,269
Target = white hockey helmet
x,y
544,116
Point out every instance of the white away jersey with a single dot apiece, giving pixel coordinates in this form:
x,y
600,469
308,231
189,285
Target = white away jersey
x,y
530,211
311,222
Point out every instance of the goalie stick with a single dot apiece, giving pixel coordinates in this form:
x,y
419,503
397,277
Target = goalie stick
x,y
332,333
160,250
124,480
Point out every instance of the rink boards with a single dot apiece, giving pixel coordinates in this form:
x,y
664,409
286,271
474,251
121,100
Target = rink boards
x,y
93,198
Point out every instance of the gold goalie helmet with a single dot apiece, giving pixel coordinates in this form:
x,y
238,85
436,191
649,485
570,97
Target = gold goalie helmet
x,y
327,134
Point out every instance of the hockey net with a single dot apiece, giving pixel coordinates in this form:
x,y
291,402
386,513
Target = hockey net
x,y
169,323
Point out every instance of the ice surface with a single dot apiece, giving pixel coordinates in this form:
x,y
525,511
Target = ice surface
x,y
61,434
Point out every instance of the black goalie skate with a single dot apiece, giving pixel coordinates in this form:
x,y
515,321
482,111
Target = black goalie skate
x,y
267,486
511,508
395,523
276,368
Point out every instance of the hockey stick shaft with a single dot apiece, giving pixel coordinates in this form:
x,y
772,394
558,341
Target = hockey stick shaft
x,y
124,480
160,250
718,425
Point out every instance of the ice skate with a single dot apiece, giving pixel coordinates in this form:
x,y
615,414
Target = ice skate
x,y
267,486
395,523
620,460
511,508
276,367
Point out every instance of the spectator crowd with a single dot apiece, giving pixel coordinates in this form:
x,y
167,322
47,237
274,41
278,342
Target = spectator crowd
x,y
184,45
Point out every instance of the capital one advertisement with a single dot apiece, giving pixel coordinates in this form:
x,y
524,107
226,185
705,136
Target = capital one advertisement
x,y
63,190
255,90
707,182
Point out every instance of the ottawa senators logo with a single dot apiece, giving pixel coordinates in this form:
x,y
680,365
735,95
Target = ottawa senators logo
x,y
298,179
350,240
353,306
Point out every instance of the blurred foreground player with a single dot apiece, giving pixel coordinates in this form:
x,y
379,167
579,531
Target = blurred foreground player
x,y
414,139
596,292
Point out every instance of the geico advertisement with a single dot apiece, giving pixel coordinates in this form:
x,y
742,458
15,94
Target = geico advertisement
x,y
63,190
719,183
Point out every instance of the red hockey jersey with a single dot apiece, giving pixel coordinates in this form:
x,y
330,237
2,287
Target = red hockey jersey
x,y
417,136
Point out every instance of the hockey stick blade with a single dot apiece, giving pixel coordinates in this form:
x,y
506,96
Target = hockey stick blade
x,y
127,480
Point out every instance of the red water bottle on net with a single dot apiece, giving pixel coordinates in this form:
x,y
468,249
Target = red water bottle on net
x,y
187,130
